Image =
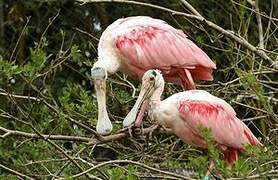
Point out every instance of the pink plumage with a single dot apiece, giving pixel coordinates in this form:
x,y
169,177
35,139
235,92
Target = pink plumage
x,y
198,107
143,43
184,112
134,45
228,131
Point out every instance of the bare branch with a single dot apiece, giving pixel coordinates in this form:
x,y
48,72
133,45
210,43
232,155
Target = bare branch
x,y
191,8
16,172
89,141
130,162
47,140
19,96
88,34
20,36
9,132
254,108
255,5
123,135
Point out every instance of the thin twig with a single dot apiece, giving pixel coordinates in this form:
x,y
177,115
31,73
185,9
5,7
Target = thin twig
x,y
19,96
48,140
254,108
21,34
123,135
254,73
84,32
255,5
16,172
191,8
9,132
47,27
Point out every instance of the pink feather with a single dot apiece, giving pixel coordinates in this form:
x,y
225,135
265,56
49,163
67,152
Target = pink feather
x,y
147,43
228,131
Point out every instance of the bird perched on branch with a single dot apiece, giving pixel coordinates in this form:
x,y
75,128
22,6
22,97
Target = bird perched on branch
x,y
186,111
134,45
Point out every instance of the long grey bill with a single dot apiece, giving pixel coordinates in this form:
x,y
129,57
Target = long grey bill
x,y
131,117
104,125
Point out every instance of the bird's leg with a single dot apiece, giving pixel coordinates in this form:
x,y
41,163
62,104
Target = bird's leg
x,y
190,79
153,128
210,168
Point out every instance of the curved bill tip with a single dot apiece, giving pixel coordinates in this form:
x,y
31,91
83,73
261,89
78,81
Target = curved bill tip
x,y
130,118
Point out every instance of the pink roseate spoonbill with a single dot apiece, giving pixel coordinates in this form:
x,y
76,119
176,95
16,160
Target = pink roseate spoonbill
x,y
134,45
184,112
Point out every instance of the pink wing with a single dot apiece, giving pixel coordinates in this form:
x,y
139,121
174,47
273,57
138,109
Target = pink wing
x,y
156,45
226,128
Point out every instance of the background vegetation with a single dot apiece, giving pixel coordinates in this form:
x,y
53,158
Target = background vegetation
x,y
48,109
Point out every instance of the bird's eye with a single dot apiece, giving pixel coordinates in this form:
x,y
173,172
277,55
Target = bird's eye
x,y
154,73
152,78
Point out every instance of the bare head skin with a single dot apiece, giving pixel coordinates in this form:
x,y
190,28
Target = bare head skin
x,y
104,125
151,81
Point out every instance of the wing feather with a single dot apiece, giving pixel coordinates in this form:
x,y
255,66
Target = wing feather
x,y
151,43
226,128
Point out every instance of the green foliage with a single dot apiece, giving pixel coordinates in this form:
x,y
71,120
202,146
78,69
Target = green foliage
x,y
75,98
171,164
75,53
45,64
8,70
77,101
122,173
240,168
250,83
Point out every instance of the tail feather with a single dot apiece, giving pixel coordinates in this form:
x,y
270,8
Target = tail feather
x,y
202,73
251,138
186,79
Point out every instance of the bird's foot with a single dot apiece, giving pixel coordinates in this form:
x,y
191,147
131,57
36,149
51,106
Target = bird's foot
x,y
153,128
132,130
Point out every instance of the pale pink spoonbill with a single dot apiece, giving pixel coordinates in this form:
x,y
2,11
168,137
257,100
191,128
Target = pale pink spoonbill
x,y
134,45
184,112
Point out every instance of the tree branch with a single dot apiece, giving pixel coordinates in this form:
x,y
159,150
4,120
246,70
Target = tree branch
x,y
89,141
191,8
130,162
16,172
19,96
9,132
255,6
123,135
57,147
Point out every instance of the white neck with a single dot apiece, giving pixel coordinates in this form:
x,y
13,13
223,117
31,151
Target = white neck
x,y
156,96
108,56
109,64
